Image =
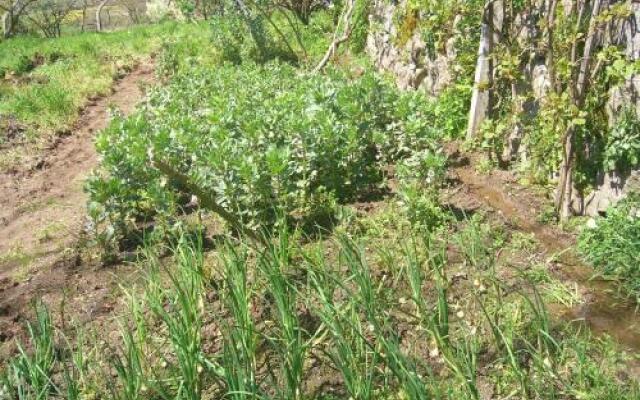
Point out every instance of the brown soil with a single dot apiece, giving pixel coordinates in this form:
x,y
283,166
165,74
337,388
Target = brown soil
x,y
519,208
43,209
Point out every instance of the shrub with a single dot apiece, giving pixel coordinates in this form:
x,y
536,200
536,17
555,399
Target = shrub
x,y
426,167
241,38
420,121
612,244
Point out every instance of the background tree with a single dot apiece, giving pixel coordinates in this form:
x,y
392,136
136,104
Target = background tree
x,y
13,11
302,8
47,15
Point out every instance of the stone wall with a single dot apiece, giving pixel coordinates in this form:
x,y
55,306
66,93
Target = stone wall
x,y
412,67
615,185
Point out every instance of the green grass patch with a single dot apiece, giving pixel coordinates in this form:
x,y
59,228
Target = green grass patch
x,y
49,80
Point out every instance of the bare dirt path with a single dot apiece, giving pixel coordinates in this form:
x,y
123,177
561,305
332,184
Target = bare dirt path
x,y
518,207
42,212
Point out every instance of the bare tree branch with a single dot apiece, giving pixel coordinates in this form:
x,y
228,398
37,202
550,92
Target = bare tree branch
x,y
337,41
207,201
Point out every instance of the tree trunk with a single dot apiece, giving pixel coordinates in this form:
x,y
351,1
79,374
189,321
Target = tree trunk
x,y
84,15
565,180
98,13
578,93
551,13
337,41
7,24
11,17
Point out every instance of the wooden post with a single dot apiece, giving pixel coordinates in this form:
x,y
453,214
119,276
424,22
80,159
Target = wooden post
x,y
481,97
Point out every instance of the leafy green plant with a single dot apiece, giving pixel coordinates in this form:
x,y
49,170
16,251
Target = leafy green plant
x,y
229,36
361,25
240,335
622,149
349,349
290,339
421,206
180,310
30,373
426,167
451,111
612,244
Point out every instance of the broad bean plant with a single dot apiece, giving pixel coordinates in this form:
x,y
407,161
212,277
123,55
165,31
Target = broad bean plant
x,y
264,140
